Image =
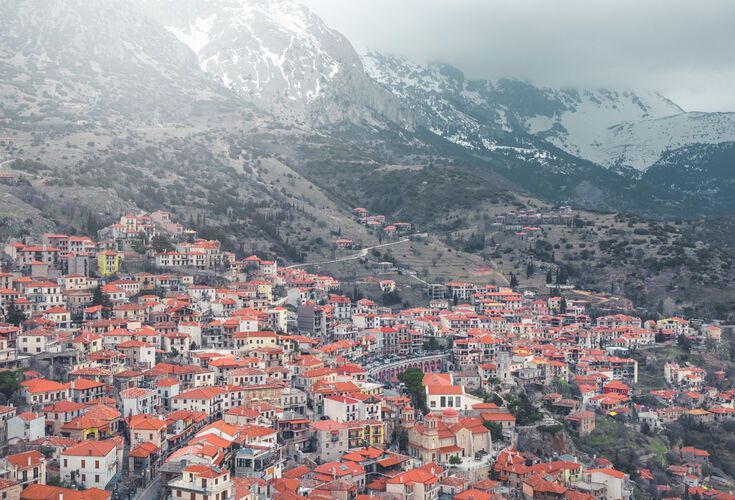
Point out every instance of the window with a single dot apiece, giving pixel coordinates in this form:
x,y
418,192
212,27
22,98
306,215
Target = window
x,y
84,464
96,478
84,478
66,463
96,464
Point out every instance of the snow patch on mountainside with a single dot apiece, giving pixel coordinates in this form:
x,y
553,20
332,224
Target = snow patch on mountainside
x,y
583,128
612,128
455,108
274,50
195,36
640,144
283,58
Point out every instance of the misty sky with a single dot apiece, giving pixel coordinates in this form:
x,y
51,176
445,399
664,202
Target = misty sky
x,y
683,49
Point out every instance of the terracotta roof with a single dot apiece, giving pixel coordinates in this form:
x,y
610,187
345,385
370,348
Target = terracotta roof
x,y
296,472
92,448
62,407
81,384
608,471
202,393
39,385
46,492
204,471
136,392
143,450
472,495
144,421
427,474
25,459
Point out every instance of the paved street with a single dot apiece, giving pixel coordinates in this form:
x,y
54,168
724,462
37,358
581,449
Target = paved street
x,y
151,491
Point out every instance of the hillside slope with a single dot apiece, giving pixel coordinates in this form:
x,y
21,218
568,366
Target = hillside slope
x,y
70,60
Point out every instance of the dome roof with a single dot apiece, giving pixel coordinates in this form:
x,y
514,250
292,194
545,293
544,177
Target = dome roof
x,y
450,412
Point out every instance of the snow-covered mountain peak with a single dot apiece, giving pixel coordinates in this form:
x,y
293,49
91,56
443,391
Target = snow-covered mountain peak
x,y
269,51
282,57
613,128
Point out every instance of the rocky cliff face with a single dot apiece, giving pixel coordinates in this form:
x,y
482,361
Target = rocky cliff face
x,y
283,58
97,59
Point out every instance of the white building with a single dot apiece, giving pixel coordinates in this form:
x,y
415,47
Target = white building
x,y
206,399
26,427
440,397
138,400
616,482
347,409
202,482
91,463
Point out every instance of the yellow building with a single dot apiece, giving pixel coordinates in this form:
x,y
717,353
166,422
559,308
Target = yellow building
x,y
108,263
263,289
366,433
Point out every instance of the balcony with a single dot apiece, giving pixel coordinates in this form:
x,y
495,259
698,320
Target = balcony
x,y
187,487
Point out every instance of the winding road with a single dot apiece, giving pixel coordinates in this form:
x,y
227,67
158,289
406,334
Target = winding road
x,y
362,253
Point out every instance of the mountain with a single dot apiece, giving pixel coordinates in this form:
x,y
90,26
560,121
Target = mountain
x,y
462,111
698,172
619,129
581,120
282,57
641,144
97,60
102,94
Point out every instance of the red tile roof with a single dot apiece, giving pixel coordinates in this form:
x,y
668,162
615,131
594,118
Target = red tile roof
x,y
92,448
25,459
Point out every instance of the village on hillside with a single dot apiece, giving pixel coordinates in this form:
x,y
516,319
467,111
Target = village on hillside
x,y
213,377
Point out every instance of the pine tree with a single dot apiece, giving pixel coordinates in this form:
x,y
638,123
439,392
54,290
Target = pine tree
x,y
563,276
513,281
549,277
14,316
101,299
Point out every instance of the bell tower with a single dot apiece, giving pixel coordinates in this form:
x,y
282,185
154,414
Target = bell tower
x,y
408,417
